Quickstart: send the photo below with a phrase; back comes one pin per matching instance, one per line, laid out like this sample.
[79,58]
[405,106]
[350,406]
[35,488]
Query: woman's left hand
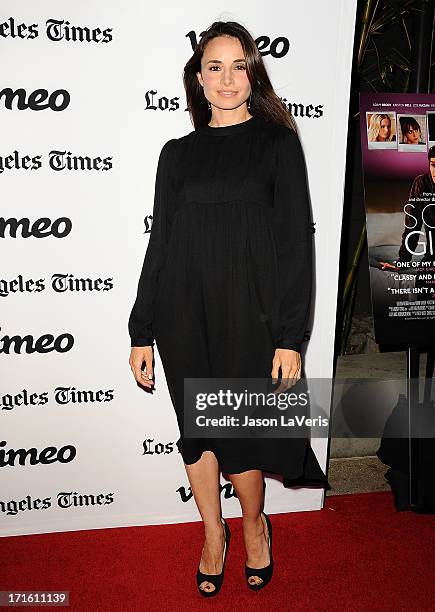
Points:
[290,363]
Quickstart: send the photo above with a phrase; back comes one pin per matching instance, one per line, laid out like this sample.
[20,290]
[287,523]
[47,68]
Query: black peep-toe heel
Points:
[215,579]
[265,573]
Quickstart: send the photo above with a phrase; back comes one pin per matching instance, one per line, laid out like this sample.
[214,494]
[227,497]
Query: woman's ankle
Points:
[213,528]
[252,523]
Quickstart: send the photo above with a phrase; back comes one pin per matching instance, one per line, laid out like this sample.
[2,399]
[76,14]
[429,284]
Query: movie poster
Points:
[398,152]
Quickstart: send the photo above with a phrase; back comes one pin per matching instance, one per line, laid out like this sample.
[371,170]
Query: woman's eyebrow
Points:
[215,61]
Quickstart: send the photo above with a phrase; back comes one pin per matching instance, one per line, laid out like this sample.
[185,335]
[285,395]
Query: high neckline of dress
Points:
[227,130]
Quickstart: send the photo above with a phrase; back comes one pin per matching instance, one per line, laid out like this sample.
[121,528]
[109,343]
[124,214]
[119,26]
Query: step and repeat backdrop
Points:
[89,93]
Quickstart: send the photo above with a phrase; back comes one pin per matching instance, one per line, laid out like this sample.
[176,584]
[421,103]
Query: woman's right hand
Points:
[139,355]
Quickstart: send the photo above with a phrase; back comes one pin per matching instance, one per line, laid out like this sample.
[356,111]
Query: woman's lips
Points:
[227,94]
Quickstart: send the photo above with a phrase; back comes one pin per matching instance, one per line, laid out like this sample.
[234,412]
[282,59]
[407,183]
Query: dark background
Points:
[388,65]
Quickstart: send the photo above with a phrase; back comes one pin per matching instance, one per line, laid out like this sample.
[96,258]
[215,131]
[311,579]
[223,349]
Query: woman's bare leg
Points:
[204,482]
[250,491]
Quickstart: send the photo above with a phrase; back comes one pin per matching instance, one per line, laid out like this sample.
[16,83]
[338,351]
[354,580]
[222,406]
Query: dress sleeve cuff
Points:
[289,344]
[142,341]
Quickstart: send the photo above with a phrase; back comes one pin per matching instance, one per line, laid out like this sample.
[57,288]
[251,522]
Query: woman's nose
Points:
[226,77]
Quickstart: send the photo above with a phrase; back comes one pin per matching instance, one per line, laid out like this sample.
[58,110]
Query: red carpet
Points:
[356,554]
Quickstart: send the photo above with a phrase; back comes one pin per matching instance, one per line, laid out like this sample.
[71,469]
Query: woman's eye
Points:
[238,66]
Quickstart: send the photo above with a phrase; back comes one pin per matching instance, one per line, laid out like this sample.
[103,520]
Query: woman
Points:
[226,281]
[380,128]
[411,131]
[420,212]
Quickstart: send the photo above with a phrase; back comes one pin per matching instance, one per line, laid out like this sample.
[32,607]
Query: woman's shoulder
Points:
[422,182]
[282,134]
[169,145]
[174,146]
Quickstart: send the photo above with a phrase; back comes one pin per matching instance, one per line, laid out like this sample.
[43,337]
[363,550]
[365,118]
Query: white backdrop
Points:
[125,99]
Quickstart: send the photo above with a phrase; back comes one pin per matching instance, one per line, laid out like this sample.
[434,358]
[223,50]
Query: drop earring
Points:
[208,104]
[249,103]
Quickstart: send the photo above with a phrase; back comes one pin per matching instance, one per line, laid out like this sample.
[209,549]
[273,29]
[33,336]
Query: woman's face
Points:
[412,135]
[384,129]
[223,73]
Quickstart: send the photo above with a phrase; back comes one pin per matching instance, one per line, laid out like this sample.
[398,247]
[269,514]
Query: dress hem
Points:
[295,480]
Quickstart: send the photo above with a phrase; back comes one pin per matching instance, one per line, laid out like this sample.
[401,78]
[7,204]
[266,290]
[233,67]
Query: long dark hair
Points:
[264,101]
[408,123]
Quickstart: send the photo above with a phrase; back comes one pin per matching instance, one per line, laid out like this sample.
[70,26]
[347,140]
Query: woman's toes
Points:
[206,586]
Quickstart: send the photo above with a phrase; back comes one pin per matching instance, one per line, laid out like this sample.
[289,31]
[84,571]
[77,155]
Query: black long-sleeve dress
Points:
[227,275]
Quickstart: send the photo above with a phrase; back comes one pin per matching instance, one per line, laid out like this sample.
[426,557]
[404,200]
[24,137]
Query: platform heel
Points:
[265,573]
[215,579]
